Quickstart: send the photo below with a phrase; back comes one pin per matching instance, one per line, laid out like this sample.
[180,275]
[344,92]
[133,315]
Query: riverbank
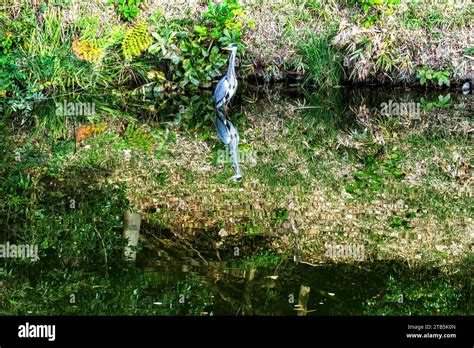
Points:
[394,43]
[387,43]
[176,45]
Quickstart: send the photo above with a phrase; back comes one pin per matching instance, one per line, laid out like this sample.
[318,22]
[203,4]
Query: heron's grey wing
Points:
[222,130]
[221,92]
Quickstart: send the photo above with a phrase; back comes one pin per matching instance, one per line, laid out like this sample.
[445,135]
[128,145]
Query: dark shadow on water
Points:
[254,282]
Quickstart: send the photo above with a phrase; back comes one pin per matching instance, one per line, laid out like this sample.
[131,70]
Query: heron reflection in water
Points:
[225,91]
[230,137]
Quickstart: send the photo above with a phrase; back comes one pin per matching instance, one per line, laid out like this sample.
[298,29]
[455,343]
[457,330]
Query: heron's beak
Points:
[227,48]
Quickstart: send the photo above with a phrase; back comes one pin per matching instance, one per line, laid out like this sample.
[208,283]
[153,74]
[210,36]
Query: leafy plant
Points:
[190,52]
[428,75]
[226,21]
[6,41]
[137,39]
[11,77]
[88,51]
[24,103]
[128,9]
[375,9]
[13,32]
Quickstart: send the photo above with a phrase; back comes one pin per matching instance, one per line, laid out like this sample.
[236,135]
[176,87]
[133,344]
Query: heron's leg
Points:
[235,161]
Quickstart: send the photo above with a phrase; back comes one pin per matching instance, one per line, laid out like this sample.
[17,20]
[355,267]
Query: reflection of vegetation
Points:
[263,260]
[75,222]
[138,138]
[404,221]
[171,297]
[137,39]
[421,295]
[443,102]
[376,174]
[301,174]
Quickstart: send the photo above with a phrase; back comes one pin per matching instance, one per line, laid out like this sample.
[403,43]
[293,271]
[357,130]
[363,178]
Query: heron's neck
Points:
[231,69]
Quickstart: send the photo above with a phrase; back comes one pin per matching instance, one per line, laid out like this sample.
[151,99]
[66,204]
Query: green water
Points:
[81,270]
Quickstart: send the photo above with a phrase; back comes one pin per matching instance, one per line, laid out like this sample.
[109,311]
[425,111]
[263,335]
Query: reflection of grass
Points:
[67,206]
[278,178]
[130,292]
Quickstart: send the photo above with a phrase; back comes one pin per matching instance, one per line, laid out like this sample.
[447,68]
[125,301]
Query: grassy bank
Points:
[56,47]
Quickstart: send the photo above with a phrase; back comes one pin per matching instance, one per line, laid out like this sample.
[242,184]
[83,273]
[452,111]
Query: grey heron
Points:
[230,137]
[227,85]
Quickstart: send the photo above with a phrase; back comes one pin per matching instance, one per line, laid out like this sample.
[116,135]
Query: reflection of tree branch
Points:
[189,245]
[224,295]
